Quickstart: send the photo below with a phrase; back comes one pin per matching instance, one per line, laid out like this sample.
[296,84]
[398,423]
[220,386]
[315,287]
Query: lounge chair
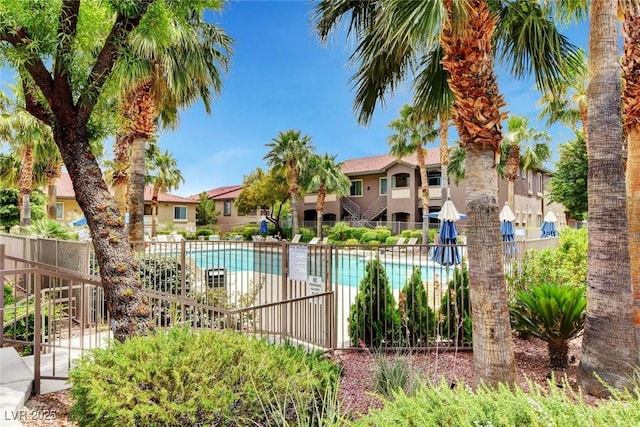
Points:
[162,238]
[257,238]
[296,238]
[400,243]
[214,237]
[324,241]
[412,241]
[314,241]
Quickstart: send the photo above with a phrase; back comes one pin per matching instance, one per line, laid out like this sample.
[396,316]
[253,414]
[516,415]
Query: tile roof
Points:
[228,192]
[376,164]
[64,190]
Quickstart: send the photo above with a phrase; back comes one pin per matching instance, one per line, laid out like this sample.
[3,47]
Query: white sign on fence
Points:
[315,286]
[298,262]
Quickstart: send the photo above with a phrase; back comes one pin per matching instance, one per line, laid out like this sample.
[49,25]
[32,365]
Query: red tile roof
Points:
[377,164]
[64,190]
[228,192]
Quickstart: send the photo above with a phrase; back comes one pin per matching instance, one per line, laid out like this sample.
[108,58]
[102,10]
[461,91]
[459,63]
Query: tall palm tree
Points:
[412,132]
[609,349]
[526,147]
[288,155]
[393,36]
[31,140]
[325,176]
[166,71]
[165,176]
[631,116]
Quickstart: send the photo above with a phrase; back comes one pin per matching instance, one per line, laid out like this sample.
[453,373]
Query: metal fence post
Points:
[183,278]
[2,294]
[37,335]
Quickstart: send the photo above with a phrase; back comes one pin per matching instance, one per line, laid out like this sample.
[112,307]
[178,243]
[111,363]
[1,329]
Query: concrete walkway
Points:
[16,380]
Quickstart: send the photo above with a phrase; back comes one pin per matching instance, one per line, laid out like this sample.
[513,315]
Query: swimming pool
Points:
[347,269]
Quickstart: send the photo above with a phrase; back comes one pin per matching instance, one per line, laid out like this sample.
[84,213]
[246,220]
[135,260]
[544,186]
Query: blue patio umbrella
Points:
[549,225]
[263,226]
[508,230]
[82,221]
[447,252]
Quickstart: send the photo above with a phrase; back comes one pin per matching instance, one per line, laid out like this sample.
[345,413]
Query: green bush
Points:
[432,233]
[395,373]
[552,313]
[566,265]
[455,310]
[204,232]
[50,229]
[8,295]
[307,234]
[340,232]
[408,234]
[369,236]
[382,233]
[373,318]
[196,378]
[391,240]
[462,406]
[358,232]
[417,319]
[351,242]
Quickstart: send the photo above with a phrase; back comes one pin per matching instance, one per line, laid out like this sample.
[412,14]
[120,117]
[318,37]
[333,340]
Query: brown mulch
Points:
[356,384]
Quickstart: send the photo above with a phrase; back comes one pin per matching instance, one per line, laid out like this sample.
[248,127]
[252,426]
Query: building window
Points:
[179,213]
[540,183]
[227,208]
[356,188]
[148,209]
[530,182]
[383,186]
[59,210]
[433,178]
[400,180]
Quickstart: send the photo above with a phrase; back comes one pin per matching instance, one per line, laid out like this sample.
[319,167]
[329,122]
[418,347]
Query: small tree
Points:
[206,213]
[417,320]
[455,310]
[10,211]
[554,314]
[373,318]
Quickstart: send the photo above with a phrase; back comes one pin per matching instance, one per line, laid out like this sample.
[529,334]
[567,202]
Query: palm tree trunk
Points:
[121,162]
[558,353]
[294,209]
[424,195]
[631,112]
[322,193]
[136,191]
[609,349]
[26,185]
[128,308]
[52,212]
[444,159]
[476,112]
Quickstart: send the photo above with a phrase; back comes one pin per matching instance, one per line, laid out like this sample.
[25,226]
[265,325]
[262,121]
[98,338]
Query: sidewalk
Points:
[16,380]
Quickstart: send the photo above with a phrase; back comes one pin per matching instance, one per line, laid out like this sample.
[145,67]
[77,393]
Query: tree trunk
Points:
[25,211]
[558,353]
[121,162]
[154,211]
[444,159]
[128,308]
[26,186]
[608,348]
[631,112]
[424,195]
[492,340]
[294,209]
[136,191]
[52,190]
[322,194]
[476,112]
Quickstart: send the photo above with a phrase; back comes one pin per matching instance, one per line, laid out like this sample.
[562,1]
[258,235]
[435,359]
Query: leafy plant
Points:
[373,318]
[552,313]
[393,374]
[455,309]
[51,229]
[417,319]
[196,378]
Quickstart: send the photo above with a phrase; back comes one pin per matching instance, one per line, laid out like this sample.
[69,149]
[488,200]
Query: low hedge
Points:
[197,378]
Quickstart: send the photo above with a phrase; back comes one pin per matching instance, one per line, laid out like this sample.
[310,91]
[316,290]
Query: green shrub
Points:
[373,242]
[369,236]
[307,234]
[340,232]
[432,233]
[552,313]
[196,378]
[358,232]
[351,242]
[417,319]
[8,295]
[408,234]
[455,310]
[394,373]
[382,233]
[373,318]
[391,240]
[566,265]
[462,406]
[50,229]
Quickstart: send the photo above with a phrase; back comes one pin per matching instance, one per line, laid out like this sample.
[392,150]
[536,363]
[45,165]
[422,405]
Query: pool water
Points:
[347,270]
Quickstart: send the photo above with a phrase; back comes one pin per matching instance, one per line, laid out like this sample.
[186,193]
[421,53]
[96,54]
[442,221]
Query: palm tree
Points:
[532,158]
[392,37]
[412,131]
[167,177]
[609,349]
[631,116]
[166,71]
[288,155]
[31,140]
[325,176]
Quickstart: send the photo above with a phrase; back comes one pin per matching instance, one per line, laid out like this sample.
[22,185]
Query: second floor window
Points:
[59,210]
[148,209]
[227,208]
[383,186]
[433,178]
[356,188]
[400,180]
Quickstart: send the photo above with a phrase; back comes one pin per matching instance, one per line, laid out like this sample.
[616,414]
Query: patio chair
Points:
[257,238]
[296,238]
[400,243]
[325,241]
[162,238]
[412,241]
[214,237]
[314,241]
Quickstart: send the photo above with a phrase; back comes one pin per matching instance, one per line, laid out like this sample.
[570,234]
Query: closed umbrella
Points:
[263,226]
[549,225]
[508,230]
[447,252]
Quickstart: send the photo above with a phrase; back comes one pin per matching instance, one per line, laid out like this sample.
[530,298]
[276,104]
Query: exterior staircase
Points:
[363,219]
